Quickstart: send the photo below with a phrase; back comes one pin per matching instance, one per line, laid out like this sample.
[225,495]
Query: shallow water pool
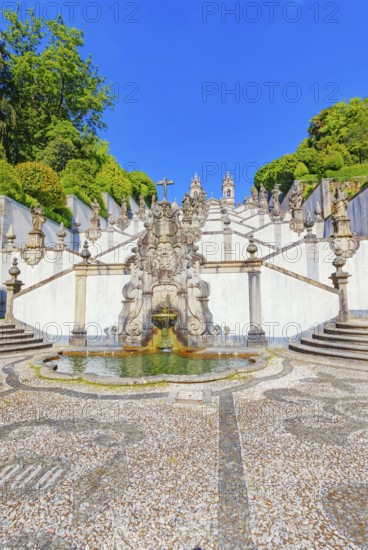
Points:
[136,366]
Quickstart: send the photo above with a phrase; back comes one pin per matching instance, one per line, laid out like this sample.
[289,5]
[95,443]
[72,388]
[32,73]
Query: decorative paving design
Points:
[37,541]
[347,508]
[30,477]
[286,436]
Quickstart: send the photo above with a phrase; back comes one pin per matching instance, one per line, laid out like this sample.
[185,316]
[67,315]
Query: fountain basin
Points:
[122,368]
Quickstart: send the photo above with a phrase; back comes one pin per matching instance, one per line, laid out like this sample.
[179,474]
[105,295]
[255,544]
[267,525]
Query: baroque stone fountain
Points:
[165,291]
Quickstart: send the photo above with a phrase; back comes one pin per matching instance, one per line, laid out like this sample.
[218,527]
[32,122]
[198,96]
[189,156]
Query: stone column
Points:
[340,282]
[311,245]
[78,335]
[13,286]
[256,335]
[227,238]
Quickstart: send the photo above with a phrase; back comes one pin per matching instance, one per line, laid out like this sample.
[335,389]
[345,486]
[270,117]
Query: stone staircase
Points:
[13,339]
[342,340]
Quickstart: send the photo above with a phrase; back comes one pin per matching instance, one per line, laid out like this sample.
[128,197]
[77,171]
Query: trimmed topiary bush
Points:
[10,184]
[41,183]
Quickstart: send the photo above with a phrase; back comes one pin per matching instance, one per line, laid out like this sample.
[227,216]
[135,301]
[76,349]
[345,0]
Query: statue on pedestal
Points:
[38,217]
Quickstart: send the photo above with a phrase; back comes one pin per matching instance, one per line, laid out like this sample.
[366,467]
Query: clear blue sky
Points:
[178,61]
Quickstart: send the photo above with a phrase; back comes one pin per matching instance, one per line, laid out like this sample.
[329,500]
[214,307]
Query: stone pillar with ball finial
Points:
[13,286]
[256,334]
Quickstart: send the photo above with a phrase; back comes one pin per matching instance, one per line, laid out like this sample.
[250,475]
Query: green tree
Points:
[279,171]
[42,184]
[50,81]
[57,154]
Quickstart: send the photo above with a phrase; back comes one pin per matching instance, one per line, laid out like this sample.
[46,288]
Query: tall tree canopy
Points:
[49,80]
[51,107]
[337,139]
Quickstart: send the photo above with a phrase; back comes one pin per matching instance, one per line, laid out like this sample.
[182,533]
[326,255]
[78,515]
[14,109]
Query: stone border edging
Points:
[49,372]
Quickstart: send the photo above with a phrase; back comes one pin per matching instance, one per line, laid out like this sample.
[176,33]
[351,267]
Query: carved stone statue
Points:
[262,198]
[296,196]
[123,221]
[93,233]
[340,218]
[254,198]
[340,201]
[38,217]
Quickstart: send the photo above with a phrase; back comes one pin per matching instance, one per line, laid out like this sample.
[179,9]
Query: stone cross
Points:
[165,182]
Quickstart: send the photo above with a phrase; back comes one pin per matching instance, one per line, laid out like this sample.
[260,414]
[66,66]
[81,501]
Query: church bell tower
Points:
[228,190]
[195,186]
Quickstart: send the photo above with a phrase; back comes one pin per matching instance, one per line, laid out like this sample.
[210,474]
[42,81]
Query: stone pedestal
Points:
[78,335]
[297,221]
[13,286]
[34,251]
[256,335]
[340,281]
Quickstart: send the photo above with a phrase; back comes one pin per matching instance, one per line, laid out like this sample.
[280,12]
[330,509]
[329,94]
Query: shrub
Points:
[41,182]
[78,179]
[333,161]
[300,170]
[10,184]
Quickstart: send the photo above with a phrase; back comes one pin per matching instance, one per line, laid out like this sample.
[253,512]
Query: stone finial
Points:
[111,223]
[252,248]
[14,271]
[10,237]
[85,253]
[318,213]
[61,235]
[340,259]
[76,225]
[226,220]
[309,224]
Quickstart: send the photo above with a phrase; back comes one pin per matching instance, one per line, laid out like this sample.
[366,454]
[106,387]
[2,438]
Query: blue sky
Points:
[175,63]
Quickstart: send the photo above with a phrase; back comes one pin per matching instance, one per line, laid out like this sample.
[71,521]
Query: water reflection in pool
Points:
[136,366]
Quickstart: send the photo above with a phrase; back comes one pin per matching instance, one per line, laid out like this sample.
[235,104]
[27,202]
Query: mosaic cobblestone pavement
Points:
[278,461]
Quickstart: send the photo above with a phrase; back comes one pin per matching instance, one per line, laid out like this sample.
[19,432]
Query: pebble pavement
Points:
[278,460]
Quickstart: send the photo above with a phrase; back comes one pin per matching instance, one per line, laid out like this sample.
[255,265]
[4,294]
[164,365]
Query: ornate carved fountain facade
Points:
[165,277]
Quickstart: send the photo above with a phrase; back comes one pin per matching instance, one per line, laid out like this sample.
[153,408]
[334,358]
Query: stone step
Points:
[10,332]
[24,347]
[21,336]
[353,325]
[345,332]
[332,345]
[20,342]
[328,352]
[341,338]
[6,325]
